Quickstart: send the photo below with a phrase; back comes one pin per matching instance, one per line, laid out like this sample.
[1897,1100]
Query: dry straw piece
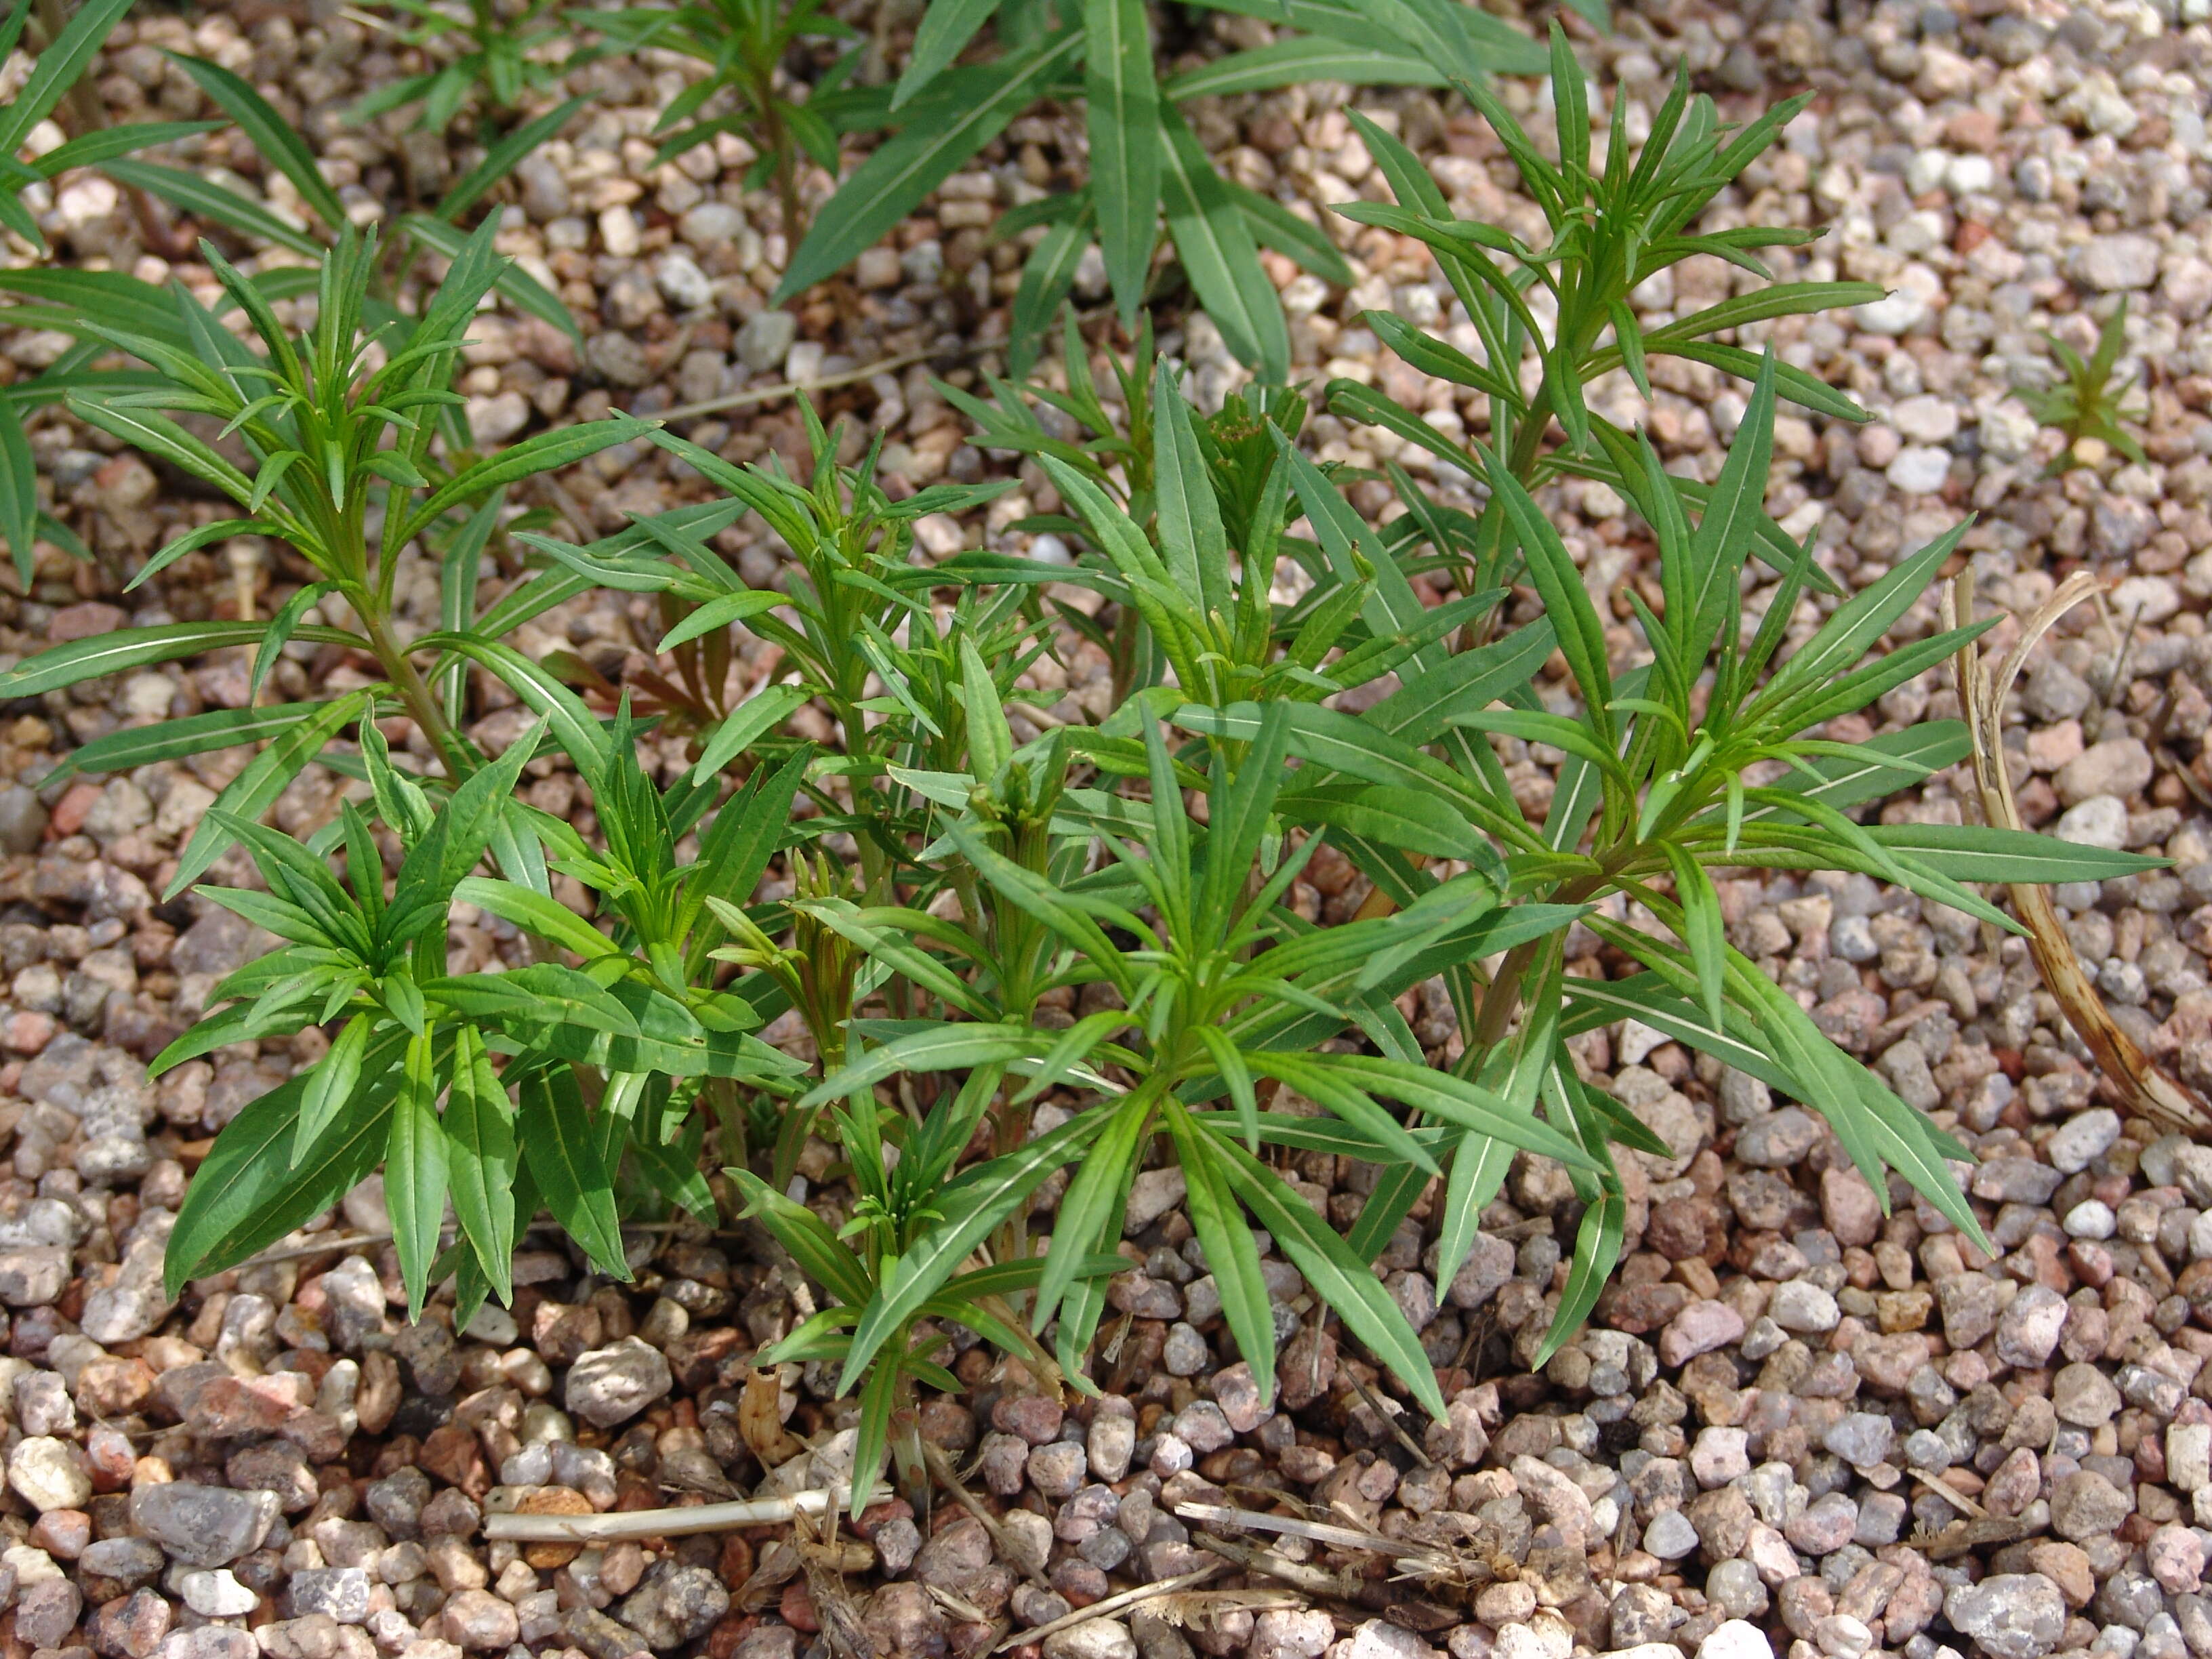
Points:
[2145,1086]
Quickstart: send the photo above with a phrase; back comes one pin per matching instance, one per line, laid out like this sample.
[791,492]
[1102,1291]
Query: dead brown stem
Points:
[2149,1090]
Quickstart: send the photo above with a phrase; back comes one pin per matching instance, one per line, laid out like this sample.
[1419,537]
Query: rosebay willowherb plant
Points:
[489,52]
[1564,309]
[2085,405]
[1146,167]
[1014,943]
[57,74]
[744,43]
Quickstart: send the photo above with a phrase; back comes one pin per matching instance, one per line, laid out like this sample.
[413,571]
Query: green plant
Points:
[1020,944]
[1612,227]
[344,466]
[630,1032]
[2085,408]
[744,42]
[65,53]
[1145,163]
[903,1181]
[387,290]
[502,54]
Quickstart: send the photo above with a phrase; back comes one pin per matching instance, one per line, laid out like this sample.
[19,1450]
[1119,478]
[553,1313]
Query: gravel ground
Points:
[1793,1425]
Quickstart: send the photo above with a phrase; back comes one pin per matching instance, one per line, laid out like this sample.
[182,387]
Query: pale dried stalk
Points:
[1341,1538]
[1112,1605]
[2149,1090]
[669,1522]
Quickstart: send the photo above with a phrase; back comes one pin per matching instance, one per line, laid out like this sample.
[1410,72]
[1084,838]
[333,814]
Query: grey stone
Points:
[341,1593]
[765,338]
[203,1526]
[612,1384]
[2111,264]
[2013,1615]
[675,1604]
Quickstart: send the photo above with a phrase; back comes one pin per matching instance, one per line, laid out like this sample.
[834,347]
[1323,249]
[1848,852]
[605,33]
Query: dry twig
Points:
[1112,1605]
[2147,1088]
[677,1522]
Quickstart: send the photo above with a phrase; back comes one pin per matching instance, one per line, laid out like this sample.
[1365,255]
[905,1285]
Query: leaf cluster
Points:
[2086,404]
[1146,168]
[495,52]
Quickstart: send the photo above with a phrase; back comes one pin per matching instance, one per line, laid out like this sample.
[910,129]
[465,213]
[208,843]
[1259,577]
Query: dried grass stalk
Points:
[2145,1087]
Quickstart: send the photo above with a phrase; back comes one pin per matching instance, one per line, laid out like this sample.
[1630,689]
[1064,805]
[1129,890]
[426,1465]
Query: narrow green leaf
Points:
[414,1171]
[1973,853]
[965,110]
[1219,254]
[1338,1277]
[330,1085]
[1232,1256]
[479,1131]
[255,790]
[943,33]
[1122,110]
[18,495]
[280,143]
[248,1195]
[195,195]
[1299,59]
[971,1205]
[561,1154]
[502,158]
[1191,538]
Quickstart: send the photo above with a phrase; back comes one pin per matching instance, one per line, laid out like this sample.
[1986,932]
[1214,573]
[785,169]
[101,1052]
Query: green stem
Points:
[421,705]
